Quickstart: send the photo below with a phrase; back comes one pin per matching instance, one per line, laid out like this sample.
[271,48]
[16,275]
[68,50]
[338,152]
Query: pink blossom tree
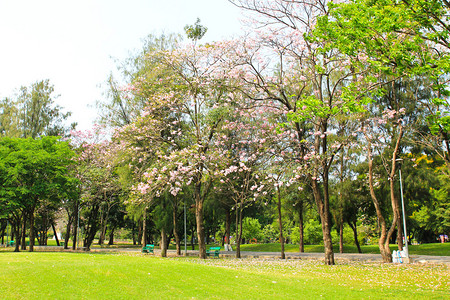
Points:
[96,169]
[250,141]
[184,114]
[310,84]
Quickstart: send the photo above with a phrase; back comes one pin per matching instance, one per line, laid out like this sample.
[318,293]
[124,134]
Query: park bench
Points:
[11,243]
[148,249]
[213,251]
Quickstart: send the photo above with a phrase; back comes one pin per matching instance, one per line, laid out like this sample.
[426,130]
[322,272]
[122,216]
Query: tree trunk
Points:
[355,235]
[280,224]
[101,237]
[200,228]
[193,238]
[324,213]
[91,227]
[144,228]
[227,226]
[396,210]
[67,236]
[163,243]
[341,236]
[111,236]
[23,245]
[238,230]
[17,232]
[384,237]
[32,233]
[139,236]
[55,233]
[3,232]
[75,222]
[133,232]
[175,233]
[301,228]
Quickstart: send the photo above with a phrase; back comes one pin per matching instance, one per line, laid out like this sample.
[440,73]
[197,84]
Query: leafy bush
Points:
[313,232]
[269,234]
[251,229]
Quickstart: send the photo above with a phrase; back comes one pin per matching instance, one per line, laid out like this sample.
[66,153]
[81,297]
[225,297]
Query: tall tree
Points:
[34,113]
[182,118]
[121,107]
[32,171]
[308,82]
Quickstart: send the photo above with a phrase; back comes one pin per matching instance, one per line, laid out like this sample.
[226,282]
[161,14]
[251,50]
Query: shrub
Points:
[313,232]
[269,234]
[251,229]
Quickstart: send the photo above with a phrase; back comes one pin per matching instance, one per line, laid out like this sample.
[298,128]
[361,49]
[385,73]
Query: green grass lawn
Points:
[137,276]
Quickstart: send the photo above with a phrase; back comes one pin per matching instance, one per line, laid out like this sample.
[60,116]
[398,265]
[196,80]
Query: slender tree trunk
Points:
[323,209]
[32,232]
[227,226]
[67,235]
[133,232]
[144,228]
[139,236]
[111,236]
[385,252]
[17,232]
[75,223]
[55,234]
[163,244]
[91,227]
[200,227]
[23,244]
[193,238]
[175,233]
[280,223]
[3,232]
[301,228]
[396,209]
[101,237]
[199,217]
[355,234]
[341,203]
[239,229]
[396,220]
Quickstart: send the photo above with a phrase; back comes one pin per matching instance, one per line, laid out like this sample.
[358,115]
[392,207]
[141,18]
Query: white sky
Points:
[73,43]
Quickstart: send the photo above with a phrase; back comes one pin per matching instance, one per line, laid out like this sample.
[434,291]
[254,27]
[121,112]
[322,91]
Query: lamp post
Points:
[403,208]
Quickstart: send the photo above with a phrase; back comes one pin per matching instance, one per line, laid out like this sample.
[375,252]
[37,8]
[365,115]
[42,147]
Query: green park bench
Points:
[213,251]
[61,244]
[11,243]
[148,249]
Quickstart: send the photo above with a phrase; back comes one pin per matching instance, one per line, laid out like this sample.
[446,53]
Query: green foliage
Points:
[269,233]
[251,229]
[435,216]
[162,213]
[195,32]
[122,107]
[34,170]
[399,39]
[34,113]
[313,232]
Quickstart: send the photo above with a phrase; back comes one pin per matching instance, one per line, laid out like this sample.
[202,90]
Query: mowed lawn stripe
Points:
[134,276]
